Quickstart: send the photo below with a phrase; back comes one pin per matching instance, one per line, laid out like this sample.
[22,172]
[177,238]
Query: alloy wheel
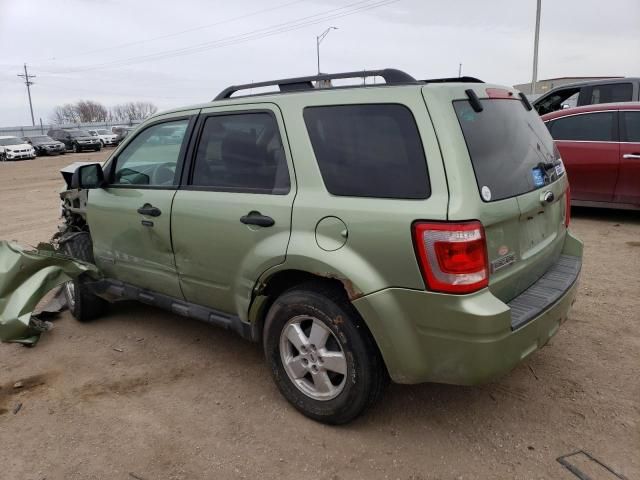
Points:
[313,358]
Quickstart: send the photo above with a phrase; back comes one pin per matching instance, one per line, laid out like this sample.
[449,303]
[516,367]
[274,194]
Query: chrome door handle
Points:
[631,155]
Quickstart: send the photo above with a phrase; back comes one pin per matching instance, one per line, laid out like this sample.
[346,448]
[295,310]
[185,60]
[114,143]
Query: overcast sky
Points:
[108,50]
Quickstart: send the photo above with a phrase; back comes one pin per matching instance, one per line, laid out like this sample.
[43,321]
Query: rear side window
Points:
[631,126]
[613,92]
[241,153]
[510,148]
[594,127]
[368,151]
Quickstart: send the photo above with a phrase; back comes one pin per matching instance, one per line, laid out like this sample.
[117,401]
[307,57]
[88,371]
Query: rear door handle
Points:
[149,210]
[256,218]
[631,155]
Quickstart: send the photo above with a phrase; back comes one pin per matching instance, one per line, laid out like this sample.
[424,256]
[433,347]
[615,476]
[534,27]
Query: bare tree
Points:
[66,113]
[92,111]
[133,111]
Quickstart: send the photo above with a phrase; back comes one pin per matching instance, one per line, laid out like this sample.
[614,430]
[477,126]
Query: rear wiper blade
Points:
[546,165]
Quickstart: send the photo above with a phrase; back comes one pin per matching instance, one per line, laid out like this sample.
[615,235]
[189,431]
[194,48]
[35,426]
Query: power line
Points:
[351,9]
[180,32]
[28,83]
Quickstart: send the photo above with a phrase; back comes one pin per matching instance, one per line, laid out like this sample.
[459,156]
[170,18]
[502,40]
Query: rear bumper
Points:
[461,339]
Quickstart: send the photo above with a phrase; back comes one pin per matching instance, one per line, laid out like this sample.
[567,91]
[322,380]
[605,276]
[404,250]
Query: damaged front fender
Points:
[26,276]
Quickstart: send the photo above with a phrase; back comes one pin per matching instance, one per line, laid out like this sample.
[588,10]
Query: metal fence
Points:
[42,129]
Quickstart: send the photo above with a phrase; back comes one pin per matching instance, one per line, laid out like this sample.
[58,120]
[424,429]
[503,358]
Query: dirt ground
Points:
[145,394]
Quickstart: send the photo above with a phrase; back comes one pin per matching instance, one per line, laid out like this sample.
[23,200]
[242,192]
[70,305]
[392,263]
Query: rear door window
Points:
[510,148]
[594,127]
[612,92]
[241,152]
[631,126]
[370,150]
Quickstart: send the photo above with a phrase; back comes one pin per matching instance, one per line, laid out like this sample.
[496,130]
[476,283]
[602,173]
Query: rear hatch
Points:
[504,170]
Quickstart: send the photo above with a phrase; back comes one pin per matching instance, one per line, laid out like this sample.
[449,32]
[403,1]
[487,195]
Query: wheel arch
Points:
[269,288]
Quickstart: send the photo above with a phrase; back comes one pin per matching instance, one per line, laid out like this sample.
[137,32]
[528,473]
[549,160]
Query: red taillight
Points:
[452,256]
[567,207]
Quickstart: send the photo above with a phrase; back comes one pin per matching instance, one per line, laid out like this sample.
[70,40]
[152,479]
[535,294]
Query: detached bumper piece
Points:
[25,278]
[545,292]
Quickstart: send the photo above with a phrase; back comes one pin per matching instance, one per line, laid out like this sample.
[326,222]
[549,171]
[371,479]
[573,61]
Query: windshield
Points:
[78,133]
[104,132]
[11,141]
[42,139]
[554,101]
[511,150]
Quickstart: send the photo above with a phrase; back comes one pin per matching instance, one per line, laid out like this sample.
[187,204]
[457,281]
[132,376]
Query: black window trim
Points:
[415,122]
[109,168]
[622,128]
[615,133]
[187,177]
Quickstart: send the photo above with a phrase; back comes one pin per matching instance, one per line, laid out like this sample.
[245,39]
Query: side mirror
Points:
[88,176]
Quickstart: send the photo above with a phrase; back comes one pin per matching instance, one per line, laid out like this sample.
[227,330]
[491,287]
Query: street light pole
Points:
[534,79]
[319,39]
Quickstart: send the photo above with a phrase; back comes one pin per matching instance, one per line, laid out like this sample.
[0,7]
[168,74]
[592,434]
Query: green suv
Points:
[415,230]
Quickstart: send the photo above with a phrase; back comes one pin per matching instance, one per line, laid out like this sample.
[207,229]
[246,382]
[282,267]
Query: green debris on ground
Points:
[26,276]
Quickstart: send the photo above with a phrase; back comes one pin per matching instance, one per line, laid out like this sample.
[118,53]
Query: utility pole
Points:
[28,83]
[319,39]
[534,79]
[459,70]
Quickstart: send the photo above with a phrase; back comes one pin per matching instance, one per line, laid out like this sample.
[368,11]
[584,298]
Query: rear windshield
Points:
[511,150]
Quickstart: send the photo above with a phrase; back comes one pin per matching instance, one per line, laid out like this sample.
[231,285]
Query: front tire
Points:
[322,357]
[82,304]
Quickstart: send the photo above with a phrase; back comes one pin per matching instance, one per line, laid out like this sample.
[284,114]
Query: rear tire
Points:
[82,304]
[331,370]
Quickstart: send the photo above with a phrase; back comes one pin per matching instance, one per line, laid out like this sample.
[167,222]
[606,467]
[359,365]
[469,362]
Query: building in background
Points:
[543,86]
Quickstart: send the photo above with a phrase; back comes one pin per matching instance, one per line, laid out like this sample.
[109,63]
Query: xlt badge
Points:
[502,262]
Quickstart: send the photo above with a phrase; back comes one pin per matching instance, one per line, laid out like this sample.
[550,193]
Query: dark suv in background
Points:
[75,139]
[608,90]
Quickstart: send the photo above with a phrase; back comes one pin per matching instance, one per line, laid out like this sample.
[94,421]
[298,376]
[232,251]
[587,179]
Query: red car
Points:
[600,148]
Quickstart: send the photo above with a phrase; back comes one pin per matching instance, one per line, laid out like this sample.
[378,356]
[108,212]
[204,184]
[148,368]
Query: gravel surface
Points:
[144,394]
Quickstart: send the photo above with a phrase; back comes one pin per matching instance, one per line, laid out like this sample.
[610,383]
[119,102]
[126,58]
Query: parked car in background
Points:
[588,93]
[121,132]
[75,139]
[416,229]
[107,138]
[45,145]
[600,147]
[13,148]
